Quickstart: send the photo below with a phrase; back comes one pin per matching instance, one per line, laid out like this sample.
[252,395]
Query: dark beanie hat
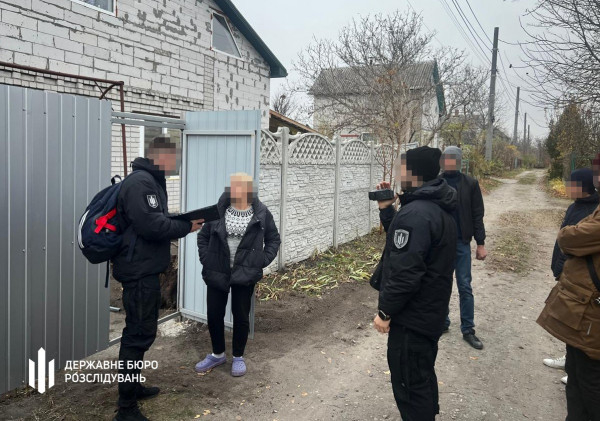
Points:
[424,162]
[585,176]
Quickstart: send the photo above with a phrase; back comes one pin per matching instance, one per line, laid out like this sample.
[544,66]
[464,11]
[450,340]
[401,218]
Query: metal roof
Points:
[227,6]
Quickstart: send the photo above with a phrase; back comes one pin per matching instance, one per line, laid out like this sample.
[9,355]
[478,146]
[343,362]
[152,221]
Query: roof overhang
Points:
[227,7]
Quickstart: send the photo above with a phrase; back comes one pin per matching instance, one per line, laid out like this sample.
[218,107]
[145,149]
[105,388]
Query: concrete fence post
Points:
[285,143]
[336,193]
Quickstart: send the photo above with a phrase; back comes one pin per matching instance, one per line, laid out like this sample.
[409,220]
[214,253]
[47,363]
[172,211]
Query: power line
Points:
[461,31]
[470,26]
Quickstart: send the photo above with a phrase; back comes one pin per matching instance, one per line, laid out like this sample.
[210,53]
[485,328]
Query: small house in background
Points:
[172,56]
[426,93]
[277,120]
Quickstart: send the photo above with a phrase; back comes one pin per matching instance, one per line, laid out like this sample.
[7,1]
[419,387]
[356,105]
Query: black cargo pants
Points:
[141,300]
[411,358]
[583,386]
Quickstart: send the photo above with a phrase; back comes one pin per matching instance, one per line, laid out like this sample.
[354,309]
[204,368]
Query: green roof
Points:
[227,6]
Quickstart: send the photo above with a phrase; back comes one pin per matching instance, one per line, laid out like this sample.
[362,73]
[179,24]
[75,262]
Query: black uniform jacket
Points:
[418,259]
[142,208]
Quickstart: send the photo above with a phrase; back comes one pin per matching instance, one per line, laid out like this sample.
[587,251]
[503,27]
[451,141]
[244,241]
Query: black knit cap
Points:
[424,162]
[585,176]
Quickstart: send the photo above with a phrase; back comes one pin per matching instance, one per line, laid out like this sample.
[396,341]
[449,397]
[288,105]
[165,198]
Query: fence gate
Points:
[55,154]
[215,145]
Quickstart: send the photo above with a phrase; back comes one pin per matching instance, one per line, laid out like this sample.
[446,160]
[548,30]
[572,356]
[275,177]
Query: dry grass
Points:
[511,252]
[488,184]
[528,179]
[352,262]
[556,188]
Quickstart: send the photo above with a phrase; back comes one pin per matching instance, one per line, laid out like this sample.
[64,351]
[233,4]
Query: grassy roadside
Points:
[528,179]
[488,184]
[352,262]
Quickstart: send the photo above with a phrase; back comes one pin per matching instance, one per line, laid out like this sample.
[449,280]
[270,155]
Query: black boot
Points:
[146,392]
[473,340]
[130,414]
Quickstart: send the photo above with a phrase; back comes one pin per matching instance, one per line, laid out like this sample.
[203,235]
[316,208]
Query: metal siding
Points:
[4,237]
[215,158]
[36,218]
[81,198]
[93,180]
[68,240]
[17,311]
[53,222]
[54,154]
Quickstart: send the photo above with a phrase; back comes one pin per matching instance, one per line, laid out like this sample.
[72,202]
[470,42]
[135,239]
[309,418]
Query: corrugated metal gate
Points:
[215,145]
[55,154]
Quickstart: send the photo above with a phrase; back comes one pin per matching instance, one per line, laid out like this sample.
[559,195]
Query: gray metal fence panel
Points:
[54,156]
[216,144]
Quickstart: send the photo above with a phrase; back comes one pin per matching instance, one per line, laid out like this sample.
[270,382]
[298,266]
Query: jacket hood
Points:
[225,201]
[140,163]
[437,191]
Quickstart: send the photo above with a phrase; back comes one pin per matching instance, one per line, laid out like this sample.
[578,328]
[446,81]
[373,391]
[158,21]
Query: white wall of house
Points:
[161,50]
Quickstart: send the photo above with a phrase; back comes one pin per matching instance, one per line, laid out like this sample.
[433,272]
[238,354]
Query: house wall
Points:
[160,49]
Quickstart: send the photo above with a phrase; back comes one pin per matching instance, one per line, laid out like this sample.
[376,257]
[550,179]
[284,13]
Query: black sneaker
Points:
[473,340]
[146,392]
[130,414]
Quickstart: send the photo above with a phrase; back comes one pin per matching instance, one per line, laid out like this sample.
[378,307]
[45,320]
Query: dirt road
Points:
[320,359]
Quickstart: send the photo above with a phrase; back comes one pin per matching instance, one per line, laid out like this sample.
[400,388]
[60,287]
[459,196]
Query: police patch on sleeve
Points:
[401,237]
[152,201]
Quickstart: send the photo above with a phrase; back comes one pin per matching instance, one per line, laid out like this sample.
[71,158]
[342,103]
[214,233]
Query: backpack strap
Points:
[593,274]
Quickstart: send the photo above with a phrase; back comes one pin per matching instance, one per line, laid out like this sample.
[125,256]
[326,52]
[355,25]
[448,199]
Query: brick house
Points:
[173,56]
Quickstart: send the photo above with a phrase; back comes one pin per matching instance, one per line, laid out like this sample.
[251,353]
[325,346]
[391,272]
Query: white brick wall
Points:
[160,49]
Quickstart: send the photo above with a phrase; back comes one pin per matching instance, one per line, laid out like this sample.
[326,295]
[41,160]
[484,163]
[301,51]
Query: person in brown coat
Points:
[572,313]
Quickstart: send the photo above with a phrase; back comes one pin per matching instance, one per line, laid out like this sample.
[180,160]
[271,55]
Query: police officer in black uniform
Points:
[416,280]
[142,206]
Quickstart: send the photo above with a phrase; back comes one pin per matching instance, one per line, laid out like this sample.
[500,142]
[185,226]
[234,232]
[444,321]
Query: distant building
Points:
[426,97]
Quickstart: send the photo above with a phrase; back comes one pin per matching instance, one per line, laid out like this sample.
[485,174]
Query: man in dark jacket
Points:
[416,280]
[469,223]
[142,206]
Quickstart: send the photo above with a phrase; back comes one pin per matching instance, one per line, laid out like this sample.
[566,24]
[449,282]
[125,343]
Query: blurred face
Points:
[164,158]
[404,176]
[574,190]
[450,162]
[596,170]
[241,188]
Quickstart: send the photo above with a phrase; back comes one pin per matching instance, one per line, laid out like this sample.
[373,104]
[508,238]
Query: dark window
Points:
[222,38]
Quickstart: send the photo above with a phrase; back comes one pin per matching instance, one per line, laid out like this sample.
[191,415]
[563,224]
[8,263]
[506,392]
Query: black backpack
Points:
[100,233]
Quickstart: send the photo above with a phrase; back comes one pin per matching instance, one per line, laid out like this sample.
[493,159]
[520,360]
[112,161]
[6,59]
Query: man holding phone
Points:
[416,279]
[142,206]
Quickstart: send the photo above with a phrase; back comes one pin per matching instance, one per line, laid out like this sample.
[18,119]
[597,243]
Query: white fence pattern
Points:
[317,190]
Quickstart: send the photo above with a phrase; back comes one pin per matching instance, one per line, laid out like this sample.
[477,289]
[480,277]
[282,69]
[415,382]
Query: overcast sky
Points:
[288,26]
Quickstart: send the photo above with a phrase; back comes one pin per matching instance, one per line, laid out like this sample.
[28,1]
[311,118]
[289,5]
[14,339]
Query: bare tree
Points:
[359,81]
[285,102]
[564,51]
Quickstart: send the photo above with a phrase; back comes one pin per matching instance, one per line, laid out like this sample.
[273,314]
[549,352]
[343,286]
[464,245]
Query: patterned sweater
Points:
[236,222]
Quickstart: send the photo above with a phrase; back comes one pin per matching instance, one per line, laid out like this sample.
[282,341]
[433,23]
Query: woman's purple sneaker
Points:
[238,368]
[209,363]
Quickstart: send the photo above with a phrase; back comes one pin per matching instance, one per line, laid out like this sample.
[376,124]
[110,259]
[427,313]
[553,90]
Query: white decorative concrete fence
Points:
[317,190]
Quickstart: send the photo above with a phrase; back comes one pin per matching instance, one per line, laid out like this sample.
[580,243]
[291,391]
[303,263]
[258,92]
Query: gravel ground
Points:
[320,359]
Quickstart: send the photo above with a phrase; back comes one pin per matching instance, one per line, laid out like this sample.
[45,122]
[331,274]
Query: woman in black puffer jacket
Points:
[233,251]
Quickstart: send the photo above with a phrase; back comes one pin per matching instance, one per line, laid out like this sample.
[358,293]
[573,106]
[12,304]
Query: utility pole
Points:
[525,130]
[490,128]
[528,138]
[516,116]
